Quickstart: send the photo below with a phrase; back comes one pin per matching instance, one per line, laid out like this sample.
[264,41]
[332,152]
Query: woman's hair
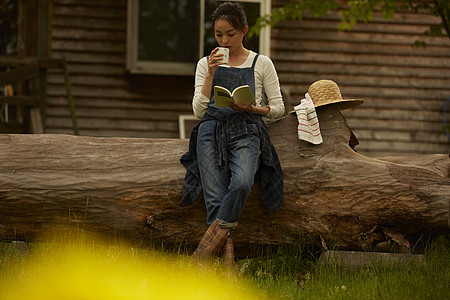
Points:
[233,13]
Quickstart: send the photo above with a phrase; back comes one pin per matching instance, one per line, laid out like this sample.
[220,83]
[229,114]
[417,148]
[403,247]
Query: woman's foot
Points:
[211,243]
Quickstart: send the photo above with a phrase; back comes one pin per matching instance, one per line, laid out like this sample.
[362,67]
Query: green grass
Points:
[290,272]
[298,275]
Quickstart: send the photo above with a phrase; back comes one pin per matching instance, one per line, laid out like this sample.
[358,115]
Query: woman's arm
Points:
[266,80]
[204,75]
[200,100]
[271,86]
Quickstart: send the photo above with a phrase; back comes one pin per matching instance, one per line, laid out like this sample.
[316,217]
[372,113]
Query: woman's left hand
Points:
[241,107]
[252,109]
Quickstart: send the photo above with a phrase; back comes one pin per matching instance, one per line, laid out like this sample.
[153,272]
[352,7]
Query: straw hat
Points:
[326,92]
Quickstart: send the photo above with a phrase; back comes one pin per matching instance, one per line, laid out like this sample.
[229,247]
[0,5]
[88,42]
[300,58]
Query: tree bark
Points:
[131,188]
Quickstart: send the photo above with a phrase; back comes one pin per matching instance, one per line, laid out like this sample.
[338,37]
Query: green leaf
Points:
[419,44]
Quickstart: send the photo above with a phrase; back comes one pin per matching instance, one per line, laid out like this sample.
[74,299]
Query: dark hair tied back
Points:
[232,12]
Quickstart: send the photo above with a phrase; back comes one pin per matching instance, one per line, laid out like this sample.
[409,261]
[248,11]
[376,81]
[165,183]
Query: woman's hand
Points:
[241,107]
[214,61]
[253,109]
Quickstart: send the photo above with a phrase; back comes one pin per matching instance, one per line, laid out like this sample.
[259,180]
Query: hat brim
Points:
[342,104]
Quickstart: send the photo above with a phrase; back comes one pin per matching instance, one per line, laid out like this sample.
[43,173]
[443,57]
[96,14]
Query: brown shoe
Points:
[228,253]
[211,242]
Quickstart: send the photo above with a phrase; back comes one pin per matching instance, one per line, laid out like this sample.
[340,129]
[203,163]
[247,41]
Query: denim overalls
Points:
[232,145]
[228,151]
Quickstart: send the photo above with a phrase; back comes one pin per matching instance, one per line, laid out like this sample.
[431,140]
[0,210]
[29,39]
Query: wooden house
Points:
[405,89]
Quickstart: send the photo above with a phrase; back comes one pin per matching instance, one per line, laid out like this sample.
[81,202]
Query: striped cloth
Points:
[308,123]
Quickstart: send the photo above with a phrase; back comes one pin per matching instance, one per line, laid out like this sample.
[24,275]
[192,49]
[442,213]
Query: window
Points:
[165,36]
[9,27]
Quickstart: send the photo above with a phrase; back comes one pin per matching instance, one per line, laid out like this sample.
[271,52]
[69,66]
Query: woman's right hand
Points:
[214,61]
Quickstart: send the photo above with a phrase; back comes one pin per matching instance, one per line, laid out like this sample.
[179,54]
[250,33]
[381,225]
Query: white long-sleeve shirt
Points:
[266,80]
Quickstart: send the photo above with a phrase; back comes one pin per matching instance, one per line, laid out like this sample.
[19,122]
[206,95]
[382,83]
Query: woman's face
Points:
[227,36]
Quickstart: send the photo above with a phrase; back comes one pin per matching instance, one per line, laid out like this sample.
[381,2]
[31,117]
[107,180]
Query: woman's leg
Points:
[225,198]
[215,179]
[244,157]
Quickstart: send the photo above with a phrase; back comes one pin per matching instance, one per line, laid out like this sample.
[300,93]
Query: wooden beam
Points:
[43,28]
[19,74]
[20,100]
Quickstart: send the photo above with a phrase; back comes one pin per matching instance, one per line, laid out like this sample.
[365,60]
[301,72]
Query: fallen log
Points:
[132,187]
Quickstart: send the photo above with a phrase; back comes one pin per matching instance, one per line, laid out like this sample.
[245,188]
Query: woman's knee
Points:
[242,186]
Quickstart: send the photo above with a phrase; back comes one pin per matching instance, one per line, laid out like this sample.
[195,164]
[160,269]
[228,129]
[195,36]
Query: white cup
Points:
[225,52]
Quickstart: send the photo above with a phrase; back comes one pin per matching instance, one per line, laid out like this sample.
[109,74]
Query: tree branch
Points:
[443,17]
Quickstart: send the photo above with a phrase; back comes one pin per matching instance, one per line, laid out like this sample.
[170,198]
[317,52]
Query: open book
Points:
[242,95]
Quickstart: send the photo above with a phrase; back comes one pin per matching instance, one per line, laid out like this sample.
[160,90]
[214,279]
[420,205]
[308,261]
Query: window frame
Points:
[135,66]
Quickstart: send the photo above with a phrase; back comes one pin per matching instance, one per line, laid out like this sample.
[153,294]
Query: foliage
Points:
[356,11]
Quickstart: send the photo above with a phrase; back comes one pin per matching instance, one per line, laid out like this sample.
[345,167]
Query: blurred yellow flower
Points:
[80,272]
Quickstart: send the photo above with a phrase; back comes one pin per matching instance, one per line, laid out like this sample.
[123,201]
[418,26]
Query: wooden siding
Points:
[404,88]
[91,35]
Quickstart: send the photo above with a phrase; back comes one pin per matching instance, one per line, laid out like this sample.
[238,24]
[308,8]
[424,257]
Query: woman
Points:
[229,145]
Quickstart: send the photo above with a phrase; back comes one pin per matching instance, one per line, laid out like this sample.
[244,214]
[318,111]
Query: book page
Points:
[243,95]
[222,97]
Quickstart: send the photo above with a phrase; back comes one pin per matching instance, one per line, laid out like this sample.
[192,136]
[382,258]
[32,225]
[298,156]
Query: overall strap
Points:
[254,60]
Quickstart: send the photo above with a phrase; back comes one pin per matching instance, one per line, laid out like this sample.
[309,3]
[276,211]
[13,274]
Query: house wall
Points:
[404,88]
[91,36]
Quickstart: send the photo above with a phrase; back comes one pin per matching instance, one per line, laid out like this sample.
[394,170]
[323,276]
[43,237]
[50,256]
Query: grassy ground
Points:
[294,273]
[69,270]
